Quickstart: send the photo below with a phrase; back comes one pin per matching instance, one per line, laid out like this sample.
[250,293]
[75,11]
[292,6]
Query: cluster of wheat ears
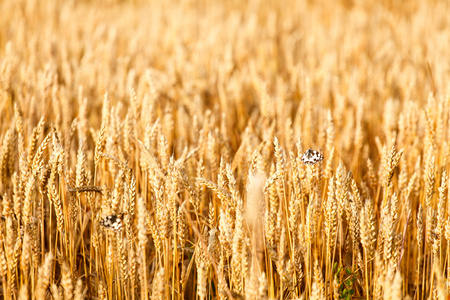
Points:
[158,149]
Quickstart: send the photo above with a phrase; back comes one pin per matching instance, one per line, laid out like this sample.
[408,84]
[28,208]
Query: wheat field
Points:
[158,149]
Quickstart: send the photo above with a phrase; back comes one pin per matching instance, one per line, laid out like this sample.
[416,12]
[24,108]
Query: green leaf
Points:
[335,266]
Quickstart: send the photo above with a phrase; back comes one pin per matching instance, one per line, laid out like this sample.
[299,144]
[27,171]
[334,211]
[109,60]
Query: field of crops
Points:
[159,149]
